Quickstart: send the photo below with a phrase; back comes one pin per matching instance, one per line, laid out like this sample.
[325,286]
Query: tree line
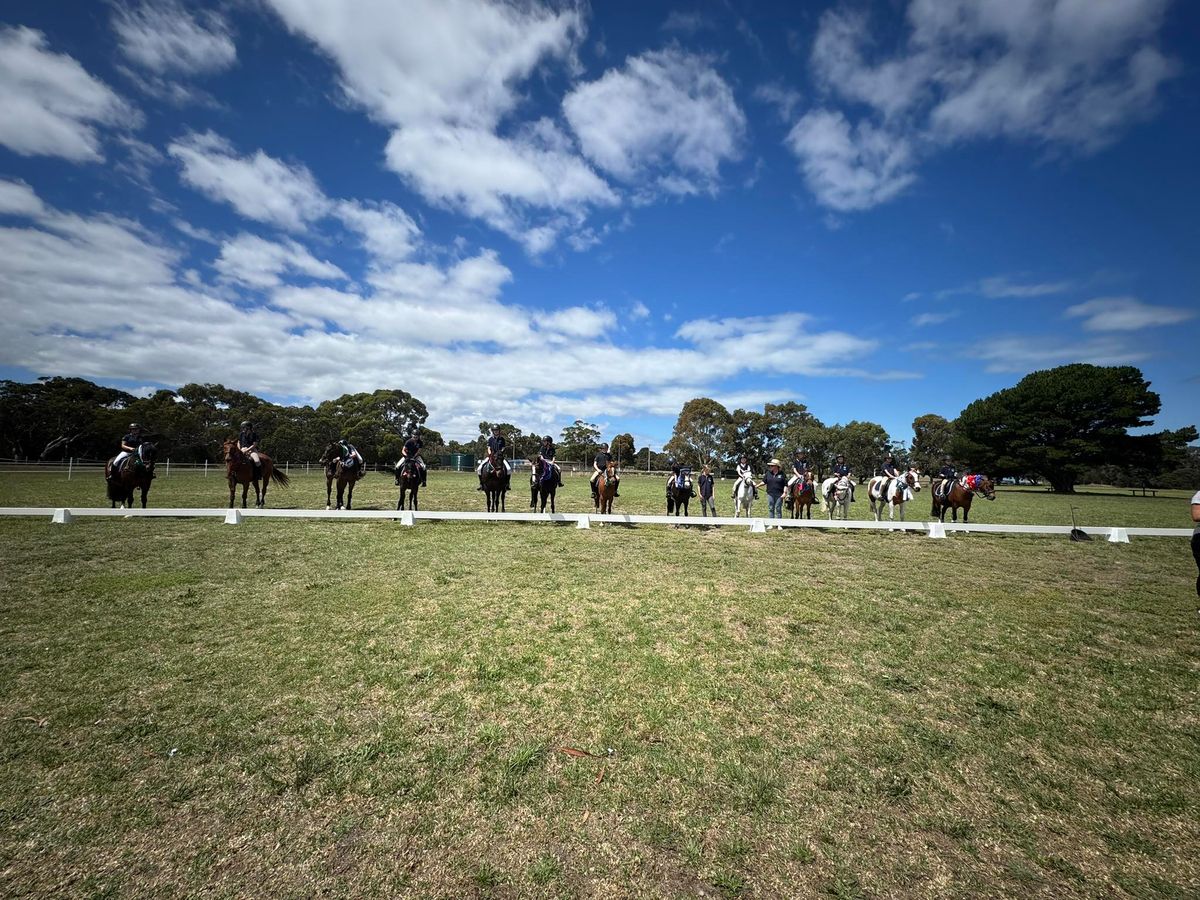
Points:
[1065,425]
[1060,425]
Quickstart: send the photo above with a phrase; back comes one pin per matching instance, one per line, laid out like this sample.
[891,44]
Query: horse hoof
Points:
[327,506]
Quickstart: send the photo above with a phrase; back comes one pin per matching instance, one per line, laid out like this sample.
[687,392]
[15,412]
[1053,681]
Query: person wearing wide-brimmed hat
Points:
[775,483]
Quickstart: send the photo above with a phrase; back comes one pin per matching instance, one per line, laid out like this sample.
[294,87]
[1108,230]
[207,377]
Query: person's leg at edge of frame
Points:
[1196,556]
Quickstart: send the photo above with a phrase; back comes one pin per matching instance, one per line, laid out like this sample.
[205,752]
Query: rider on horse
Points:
[546,454]
[350,457]
[248,443]
[680,475]
[129,446]
[744,471]
[800,469]
[841,470]
[947,476]
[495,456]
[599,464]
[412,452]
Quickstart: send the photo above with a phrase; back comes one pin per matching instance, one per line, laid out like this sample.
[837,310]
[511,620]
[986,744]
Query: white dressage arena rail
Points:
[934,529]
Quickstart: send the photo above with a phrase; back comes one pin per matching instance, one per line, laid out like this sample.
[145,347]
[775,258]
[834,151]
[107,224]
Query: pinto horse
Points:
[408,478]
[543,482]
[804,495]
[959,496]
[135,474]
[893,493]
[239,469]
[678,497]
[346,476]
[606,489]
[835,492]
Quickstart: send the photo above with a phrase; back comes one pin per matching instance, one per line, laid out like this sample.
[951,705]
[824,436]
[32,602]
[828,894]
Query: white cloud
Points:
[850,167]
[259,187]
[1125,314]
[1062,73]
[1001,286]
[387,231]
[666,111]
[639,311]
[926,319]
[100,297]
[782,97]
[1026,353]
[253,261]
[51,106]
[164,37]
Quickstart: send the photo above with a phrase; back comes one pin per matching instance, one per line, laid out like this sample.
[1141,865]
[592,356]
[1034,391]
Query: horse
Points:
[804,494]
[543,483]
[606,489]
[836,490]
[240,470]
[346,476]
[743,496]
[959,496]
[883,490]
[136,473]
[408,479]
[678,497]
[495,485]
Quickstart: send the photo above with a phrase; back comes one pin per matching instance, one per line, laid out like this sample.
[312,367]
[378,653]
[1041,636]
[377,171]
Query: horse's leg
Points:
[350,494]
[412,497]
[232,490]
[245,491]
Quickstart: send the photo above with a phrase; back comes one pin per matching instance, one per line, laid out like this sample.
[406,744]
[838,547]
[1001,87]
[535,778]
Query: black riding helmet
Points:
[134,426]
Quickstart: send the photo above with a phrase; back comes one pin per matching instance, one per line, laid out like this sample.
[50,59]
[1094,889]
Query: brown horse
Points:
[239,469]
[804,496]
[135,474]
[960,495]
[408,478]
[346,476]
[606,489]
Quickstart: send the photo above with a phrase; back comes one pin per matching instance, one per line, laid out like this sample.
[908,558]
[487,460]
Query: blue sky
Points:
[551,211]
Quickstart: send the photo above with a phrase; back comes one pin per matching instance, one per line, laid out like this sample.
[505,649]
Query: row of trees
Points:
[54,418]
[1063,425]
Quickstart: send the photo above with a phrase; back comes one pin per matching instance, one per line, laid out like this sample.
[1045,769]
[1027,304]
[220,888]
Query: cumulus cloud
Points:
[99,296]
[51,105]
[255,262]
[259,186]
[1125,314]
[666,110]
[165,38]
[1061,74]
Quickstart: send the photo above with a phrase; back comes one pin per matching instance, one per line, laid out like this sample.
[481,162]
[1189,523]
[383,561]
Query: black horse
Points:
[543,483]
[678,497]
[495,484]
[136,473]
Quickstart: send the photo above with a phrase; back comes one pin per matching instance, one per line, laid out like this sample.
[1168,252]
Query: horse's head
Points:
[913,479]
[147,453]
[985,486]
[232,451]
[329,455]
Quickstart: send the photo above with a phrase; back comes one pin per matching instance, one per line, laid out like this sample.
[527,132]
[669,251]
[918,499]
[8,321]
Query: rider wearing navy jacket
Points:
[889,467]
[129,446]
[496,445]
[599,464]
[839,469]
[412,450]
[547,451]
[948,475]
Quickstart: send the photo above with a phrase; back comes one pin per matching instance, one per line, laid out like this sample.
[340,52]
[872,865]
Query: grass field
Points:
[360,709]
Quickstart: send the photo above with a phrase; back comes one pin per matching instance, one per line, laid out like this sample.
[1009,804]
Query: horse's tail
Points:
[279,477]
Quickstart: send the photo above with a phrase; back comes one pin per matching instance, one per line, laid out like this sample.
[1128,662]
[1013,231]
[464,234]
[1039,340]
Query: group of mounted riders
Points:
[134,466]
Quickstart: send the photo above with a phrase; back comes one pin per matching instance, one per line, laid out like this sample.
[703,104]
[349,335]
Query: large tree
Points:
[1059,422]
[580,441]
[702,433]
[58,417]
[932,437]
[622,448]
[864,445]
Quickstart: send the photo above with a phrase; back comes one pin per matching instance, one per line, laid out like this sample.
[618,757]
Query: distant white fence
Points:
[64,515]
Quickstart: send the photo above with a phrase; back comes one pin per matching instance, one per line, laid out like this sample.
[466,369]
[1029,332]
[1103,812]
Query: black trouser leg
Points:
[1196,556]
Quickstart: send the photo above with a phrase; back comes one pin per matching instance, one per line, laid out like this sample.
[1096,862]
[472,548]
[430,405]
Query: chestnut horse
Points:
[804,494]
[408,479]
[606,489]
[543,483]
[135,474]
[960,494]
[346,476]
[239,469]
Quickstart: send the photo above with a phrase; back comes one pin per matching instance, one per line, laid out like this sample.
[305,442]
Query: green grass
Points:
[357,708]
[1094,505]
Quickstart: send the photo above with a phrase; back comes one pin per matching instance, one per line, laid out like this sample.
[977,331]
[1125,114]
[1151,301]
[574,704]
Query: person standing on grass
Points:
[1196,536]
[705,485]
[775,483]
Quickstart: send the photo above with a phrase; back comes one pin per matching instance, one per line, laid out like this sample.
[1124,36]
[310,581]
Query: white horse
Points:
[743,496]
[839,490]
[892,493]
